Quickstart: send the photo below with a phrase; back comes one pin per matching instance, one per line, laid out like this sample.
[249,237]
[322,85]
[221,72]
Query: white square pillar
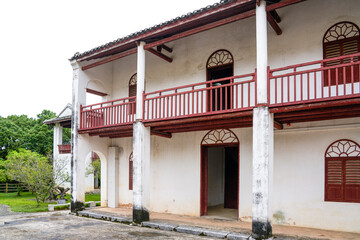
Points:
[113,177]
[262,173]
[77,156]
[141,172]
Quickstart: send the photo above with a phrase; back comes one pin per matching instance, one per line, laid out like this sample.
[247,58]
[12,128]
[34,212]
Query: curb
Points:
[169,227]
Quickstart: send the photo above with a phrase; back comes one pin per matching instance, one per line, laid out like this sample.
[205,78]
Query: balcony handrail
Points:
[114,105]
[295,66]
[109,102]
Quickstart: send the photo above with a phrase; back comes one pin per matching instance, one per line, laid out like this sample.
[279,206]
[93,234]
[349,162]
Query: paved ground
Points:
[62,225]
[5,210]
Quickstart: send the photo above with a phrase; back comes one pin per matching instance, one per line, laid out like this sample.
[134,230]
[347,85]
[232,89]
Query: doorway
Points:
[220,180]
[219,65]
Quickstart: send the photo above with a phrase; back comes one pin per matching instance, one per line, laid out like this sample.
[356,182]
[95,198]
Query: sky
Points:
[38,37]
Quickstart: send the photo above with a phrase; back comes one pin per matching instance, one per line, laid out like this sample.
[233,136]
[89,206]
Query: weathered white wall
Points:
[125,149]
[216,176]
[299,176]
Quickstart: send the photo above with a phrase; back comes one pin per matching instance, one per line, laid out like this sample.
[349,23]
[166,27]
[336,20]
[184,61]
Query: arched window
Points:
[219,136]
[341,39]
[131,171]
[342,171]
[220,65]
[132,92]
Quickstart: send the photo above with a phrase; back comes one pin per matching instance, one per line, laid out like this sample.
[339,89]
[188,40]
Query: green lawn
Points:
[27,203]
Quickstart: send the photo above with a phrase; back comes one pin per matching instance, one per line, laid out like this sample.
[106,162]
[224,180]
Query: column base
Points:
[140,215]
[261,230]
[77,206]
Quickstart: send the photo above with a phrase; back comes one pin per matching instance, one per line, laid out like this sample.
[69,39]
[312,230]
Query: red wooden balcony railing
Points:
[64,148]
[328,79]
[111,113]
[211,97]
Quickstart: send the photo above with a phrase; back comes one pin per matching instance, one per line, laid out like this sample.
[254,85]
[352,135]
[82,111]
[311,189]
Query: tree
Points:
[28,133]
[35,171]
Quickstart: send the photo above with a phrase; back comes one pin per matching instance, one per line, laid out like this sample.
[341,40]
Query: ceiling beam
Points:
[160,55]
[273,24]
[101,94]
[278,125]
[275,16]
[110,59]
[160,133]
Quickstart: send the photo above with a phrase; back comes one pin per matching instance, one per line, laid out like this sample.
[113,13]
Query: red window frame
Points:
[342,172]
[335,44]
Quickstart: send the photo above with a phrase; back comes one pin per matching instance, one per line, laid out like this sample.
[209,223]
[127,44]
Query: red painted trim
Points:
[110,59]
[282,4]
[202,28]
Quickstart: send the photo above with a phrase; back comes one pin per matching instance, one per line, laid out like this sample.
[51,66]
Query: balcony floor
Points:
[328,110]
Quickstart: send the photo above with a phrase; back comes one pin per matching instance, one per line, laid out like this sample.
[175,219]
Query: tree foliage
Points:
[36,171]
[29,133]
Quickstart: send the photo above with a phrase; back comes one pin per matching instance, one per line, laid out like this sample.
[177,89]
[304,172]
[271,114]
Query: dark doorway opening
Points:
[220,97]
[220,181]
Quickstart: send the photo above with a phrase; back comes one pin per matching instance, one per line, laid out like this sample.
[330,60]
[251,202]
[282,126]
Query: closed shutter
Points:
[342,179]
[334,180]
[352,180]
[341,48]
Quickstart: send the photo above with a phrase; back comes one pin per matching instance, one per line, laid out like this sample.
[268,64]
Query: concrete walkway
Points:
[220,225]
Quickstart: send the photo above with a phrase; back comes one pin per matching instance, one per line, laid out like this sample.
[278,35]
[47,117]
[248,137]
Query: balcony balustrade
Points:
[206,98]
[324,80]
[317,81]
[106,114]
[64,148]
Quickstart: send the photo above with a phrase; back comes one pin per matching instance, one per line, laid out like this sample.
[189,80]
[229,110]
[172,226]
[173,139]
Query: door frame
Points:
[204,175]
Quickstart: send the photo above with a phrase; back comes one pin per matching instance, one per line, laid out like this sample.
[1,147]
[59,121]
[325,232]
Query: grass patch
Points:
[92,197]
[24,203]
[27,203]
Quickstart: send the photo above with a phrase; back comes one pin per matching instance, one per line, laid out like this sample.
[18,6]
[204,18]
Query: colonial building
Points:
[246,108]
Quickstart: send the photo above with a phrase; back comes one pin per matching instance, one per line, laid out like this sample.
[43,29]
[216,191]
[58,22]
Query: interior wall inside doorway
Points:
[216,176]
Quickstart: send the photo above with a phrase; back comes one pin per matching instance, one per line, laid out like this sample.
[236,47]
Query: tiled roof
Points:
[135,34]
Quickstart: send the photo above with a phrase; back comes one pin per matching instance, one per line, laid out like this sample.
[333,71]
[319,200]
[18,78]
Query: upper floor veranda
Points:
[203,75]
